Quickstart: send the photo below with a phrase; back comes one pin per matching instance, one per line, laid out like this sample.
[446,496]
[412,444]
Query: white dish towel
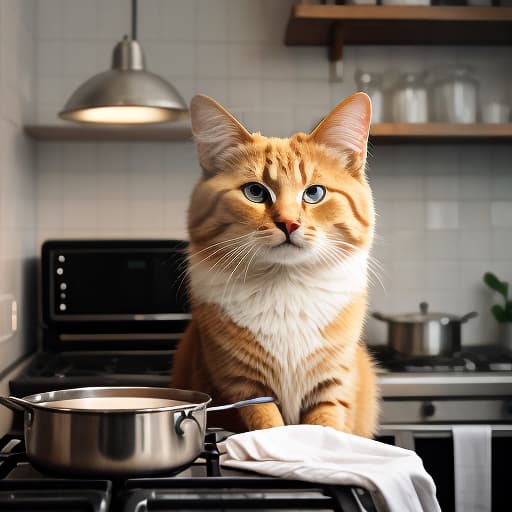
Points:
[395,477]
[472,459]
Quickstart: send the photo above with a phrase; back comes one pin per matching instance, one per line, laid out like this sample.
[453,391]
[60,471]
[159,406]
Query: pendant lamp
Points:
[127,93]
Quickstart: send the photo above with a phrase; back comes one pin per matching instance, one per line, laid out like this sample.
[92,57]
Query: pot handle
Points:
[380,316]
[467,317]
[243,403]
[184,417]
[15,404]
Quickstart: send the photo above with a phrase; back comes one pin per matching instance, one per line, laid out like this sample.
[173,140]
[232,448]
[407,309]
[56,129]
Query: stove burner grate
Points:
[67,364]
[247,493]
[69,495]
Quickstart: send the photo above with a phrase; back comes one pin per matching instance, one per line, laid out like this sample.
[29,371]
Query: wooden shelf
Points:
[380,24]
[391,133]
[381,133]
[176,132]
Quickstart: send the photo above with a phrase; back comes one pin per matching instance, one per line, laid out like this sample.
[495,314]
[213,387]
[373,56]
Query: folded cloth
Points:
[395,477]
[472,460]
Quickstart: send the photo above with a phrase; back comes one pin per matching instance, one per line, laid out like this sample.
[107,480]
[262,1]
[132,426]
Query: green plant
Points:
[502,313]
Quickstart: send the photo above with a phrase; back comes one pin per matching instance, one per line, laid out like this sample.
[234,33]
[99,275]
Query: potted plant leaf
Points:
[502,312]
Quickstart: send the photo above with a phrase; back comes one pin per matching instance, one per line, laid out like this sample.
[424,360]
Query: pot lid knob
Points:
[424,307]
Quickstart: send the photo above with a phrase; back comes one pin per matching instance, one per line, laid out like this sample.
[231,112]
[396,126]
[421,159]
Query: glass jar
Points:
[371,84]
[409,103]
[454,95]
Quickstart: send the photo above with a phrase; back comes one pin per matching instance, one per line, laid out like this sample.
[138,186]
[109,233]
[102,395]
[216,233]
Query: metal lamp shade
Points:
[126,94]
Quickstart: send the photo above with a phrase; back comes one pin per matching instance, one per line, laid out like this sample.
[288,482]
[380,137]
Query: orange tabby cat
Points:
[280,231]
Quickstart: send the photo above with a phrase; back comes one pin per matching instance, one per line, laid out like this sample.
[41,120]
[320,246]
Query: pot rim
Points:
[39,400]
[414,318]
[424,316]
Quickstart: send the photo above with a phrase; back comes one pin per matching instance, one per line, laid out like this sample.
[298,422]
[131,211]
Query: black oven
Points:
[112,312]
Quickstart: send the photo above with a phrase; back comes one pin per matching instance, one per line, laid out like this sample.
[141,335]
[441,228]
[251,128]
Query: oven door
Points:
[106,294]
[446,450]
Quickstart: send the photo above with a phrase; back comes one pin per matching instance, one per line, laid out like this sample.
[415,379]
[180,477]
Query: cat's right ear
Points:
[215,131]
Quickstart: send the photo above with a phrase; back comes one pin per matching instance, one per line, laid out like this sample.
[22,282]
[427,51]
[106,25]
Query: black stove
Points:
[112,312]
[204,485]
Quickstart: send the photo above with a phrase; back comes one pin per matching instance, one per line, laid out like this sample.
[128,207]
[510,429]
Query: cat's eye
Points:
[255,192]
[314,194]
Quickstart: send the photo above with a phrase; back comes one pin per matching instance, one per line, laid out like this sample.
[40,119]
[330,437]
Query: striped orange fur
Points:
[280,234]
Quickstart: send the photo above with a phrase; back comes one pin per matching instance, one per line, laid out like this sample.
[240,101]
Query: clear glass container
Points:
[372,84]
[409,100]
[494,94]
[454,95]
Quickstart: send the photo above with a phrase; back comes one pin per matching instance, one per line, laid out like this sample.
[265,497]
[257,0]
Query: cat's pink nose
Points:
[288,227]
[291,226]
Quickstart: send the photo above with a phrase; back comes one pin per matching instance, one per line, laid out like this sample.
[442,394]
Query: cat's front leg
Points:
[328,414]
[256,417]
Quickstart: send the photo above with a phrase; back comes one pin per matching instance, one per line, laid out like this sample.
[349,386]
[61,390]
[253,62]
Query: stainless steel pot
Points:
[424,333]
[115,430]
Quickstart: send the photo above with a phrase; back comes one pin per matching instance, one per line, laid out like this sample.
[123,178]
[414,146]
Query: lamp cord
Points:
[134,20]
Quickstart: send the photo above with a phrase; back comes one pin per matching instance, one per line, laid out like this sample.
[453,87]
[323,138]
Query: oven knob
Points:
[428,409]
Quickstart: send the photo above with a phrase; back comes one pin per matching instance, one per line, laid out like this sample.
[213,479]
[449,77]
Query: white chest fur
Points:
[285,309]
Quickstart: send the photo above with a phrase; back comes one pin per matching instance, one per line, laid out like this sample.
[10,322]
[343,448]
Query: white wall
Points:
[445,211]
[17,180]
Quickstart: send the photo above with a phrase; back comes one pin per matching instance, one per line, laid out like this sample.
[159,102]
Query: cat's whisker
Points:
[226,244]
[371,271]
[248,252]
[234,245]
[233,255]
[334,256]
[225,258]
[242,252]
[377,276]
[220,243]
[229,243]
[249,262]
[324,258]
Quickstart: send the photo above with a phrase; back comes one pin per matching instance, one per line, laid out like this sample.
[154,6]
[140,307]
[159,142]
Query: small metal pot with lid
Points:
[424,333]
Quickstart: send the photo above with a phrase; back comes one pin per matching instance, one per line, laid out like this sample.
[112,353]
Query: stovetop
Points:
[481,358]
[49,371]
[477,370]
[204,485]
[130,364]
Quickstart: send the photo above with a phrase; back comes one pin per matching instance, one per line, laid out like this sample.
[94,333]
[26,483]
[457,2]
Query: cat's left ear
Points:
[346,129]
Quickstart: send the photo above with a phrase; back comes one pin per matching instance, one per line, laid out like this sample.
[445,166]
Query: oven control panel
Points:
[110,281]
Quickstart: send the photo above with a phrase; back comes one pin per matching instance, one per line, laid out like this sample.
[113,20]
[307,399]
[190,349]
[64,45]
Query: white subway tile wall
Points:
[17,178]
[444,211]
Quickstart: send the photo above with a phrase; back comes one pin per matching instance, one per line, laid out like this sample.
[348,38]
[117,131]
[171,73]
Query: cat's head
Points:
[297,201]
